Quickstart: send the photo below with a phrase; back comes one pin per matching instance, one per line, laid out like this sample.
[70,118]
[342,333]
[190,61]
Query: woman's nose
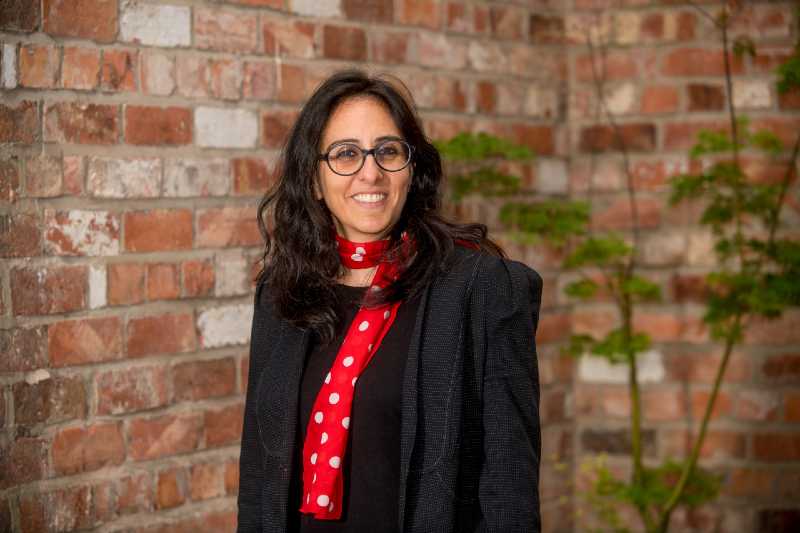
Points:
[370,171]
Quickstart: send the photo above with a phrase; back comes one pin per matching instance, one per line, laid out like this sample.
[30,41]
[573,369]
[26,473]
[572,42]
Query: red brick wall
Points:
[137,137]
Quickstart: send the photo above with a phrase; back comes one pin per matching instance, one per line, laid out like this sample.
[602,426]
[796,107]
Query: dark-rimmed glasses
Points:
[347,158]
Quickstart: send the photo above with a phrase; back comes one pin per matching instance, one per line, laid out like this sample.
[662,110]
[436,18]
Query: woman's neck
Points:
[357,277]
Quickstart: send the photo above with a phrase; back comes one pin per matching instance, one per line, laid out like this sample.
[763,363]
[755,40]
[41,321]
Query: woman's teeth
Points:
[369,198]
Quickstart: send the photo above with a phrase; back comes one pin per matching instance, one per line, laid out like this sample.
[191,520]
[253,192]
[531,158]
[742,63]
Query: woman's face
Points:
[367,204]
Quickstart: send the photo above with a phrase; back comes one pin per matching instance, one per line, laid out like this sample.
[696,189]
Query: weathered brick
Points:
[615,66]
[439,51]
[683,135]
[131,389]
[158,125]
[126,283]
[79,232]
[783,368]
[43,176]
[24,459]
[118,71]
[77,342]
[616,441]
[206,481]
[196,380]
[23,349]
[291,83]
[698,62]
[227,226]
[602,138]
[224,426]
[81,123]
[780,331]
[776,447]
[155,25]
[80,68]
[62,509]
[225,325]
[425,13]
[289,38]
[53,399]
[125,495]
[198,278]
[20,235]
[251,177]
[172,488]
[259,80]
[48,290]
[164,334]
[196,177]
[752,94]
[98,284]
[158,73]
[225,78]
[163,281]
[705,97]
[757,405]
[8,66]
[225,30]
[19,123]
[73,170]
[316,8]
[87,19]
[225,128]
[151,438]
[546,29]
[124,178]
[9,178]
[506,22]
[20,15]
[275,127]
[232,477]
[38,66]
[83,449]
[158,229]
[537,138]
[192,76]
[659,99]
[389,46]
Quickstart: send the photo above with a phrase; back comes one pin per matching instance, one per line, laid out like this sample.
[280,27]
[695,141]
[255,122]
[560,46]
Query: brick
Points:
[757,405]
[232,269]
[224,426]
[698,62]
[8,62]
[20,15]
[704,97]
[232,477]
[603,401]
[389,47]
[78,342]
[225,325]
[87,19]
[63,509]
[616,441]
[198,278]
[602,138]
[80,68]
[288,38]
[73,172]
[783,368]
[546,29]
[723,405]
[43,176]
[126,283]
[225,79]
[749,482]
[752,94]
[171,489]
[24,459]
[23,349]
[225,30]
[124,178]
[689,287]
[155,25]
[596,369]
[147,125]
[48,290]
[776,447]
[259,80]
[192,76]
[81,233]
[663,404]
[615,66]
[164,334]
[157,72]
[506,22]
[118,71]
[9,179]
[19,123]
[38,66]
[225,128]
[275,127]
[780,331]
[131,389]
[20,236]
[789,100]
[97,286]
[83,449]
[134,493]
[683,135]
[791,409]
[163,281]
[206,481]
[316,8]
[659,99]
[348,44]
[227,226]
[291,83]
[158,229]
[81,123]
[251,176]
[420,13]
[458,18]
[152,438]
[53,399]
[196,380]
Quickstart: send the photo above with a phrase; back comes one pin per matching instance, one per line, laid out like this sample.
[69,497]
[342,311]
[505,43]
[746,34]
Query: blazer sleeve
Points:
[251,457]
[508,295]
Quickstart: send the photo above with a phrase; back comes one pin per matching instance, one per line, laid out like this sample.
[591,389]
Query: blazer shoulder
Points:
[490,272]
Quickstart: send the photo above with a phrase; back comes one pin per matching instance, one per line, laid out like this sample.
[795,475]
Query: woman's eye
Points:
[346,153]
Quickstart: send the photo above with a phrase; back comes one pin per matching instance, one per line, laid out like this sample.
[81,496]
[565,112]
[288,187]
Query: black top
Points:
[371,466]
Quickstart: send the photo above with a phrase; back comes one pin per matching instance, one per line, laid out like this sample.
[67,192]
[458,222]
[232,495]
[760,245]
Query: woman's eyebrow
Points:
[355,141]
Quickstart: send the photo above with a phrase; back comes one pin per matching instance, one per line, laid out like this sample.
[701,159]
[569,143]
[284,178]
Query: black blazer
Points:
[470,445]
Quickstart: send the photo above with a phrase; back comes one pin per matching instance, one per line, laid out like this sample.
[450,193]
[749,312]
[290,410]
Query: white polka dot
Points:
[363,326]
[335,462]
[314,480]
[324,438]
[308,498]
[346,422]
[386,315]
[313,458]
[360,250]
[357,257]
[333,398]
[330,507]
[323,500]
[318,417]
[328,378]
[347,361]
[354,381]
[375,288]
[369,348]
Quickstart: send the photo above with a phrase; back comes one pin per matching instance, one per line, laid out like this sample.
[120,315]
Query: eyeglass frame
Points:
[364,153]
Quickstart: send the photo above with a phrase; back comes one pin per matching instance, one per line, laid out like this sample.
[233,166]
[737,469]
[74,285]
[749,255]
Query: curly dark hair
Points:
[300,262]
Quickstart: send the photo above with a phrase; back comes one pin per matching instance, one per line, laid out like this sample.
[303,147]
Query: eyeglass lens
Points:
[348,158]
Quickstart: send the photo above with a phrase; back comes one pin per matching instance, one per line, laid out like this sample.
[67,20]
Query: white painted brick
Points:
[155,25]
[124,178]
[436,50]
[196,177]
[621,99]
[751,94]
[158,73]
[700,249]
[487,56]
[97,286]
[663,248]
[81,232]
[541,102]
[9,66]
[594,369]
[225,128]
[626,27]
[224,326]
[316,8]
[232,271]
[551,176]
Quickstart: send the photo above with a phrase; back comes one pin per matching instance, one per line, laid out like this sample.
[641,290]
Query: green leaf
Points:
[553,220]
[486,181]
[688,186]
[468,146]
[579,344]
[711,142]
[744,45]
[617,349]
[789,74]
[610,250]
[767,141]
[583,289]
[642,288]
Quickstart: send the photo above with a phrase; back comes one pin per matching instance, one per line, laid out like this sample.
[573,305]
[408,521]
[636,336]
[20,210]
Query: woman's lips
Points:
[370,200]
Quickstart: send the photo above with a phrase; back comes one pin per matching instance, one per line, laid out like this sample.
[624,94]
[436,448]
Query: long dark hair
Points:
[300,261]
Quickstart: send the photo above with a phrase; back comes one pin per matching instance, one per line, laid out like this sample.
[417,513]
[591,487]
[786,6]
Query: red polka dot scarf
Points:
[326,437]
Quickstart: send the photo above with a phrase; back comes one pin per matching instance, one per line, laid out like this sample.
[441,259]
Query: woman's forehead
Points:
[359,118]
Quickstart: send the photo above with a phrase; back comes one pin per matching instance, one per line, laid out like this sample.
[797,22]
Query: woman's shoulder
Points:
[488,270]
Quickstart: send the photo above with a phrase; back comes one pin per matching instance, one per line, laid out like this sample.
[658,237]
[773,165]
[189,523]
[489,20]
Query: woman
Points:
[393,383]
